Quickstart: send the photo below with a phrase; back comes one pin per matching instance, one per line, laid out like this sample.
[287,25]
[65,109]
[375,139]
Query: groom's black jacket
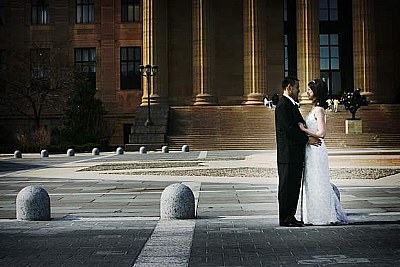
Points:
[290,140]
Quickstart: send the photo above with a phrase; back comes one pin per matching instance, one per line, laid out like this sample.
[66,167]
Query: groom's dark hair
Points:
[288,80]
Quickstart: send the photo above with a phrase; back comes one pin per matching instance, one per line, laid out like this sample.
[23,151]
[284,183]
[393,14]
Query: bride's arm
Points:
[320,117]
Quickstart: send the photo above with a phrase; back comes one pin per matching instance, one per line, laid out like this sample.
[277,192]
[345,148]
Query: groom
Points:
[290,143]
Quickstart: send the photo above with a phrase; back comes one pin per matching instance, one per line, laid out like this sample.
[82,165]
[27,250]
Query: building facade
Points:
[225,52]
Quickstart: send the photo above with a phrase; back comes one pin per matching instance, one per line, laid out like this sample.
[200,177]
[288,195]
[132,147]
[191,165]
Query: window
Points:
[40,70]
[329,61]
[328,10]
[2,71]
[130,10]
[40,61]
[130,62]
[85,61]
[2,12]
[40,12]
[329,51]
[84,11]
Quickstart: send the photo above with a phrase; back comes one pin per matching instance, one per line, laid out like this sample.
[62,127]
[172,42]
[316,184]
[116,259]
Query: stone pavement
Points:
[105,211]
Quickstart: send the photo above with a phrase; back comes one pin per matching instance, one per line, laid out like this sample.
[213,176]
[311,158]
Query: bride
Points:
[321,205]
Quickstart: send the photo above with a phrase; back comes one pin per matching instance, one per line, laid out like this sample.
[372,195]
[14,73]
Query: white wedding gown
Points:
[321,206]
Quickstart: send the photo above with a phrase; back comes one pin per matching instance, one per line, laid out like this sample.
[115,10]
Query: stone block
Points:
[353,126]
[177,202]
[70,152]
[152,136]
[146,138]
[143,150]
[151,129]
[185,148]
[95,151]
[17,154]
[33,204]
[119,151]
[44,153]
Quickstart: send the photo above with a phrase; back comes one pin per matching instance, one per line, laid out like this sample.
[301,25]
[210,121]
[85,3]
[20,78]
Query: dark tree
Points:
[37,81]
[353,101]
[83,120]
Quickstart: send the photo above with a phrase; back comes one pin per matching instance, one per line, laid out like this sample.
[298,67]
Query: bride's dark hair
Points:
[320,90]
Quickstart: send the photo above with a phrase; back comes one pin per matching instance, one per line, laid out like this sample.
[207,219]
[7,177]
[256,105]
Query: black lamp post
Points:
[148,71]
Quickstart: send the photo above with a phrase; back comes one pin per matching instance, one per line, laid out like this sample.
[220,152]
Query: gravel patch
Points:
[362,173]
[141,165]
[342,173]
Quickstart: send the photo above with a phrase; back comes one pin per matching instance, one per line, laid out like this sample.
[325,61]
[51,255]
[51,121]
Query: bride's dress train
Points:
[321,205]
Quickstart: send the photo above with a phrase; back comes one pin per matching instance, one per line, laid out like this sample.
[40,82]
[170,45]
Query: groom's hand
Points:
[314,141]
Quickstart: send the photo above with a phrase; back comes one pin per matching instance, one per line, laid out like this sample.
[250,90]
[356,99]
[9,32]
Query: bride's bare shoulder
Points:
[319,110]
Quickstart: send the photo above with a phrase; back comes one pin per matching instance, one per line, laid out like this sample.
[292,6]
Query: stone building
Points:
[210,53]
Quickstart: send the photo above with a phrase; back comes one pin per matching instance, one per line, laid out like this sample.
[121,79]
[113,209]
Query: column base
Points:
[205,100]
[303,99]
[253,99]
[154,100]
[370,96]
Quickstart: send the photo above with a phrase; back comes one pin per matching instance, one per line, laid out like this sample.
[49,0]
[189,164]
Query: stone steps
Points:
[253,127]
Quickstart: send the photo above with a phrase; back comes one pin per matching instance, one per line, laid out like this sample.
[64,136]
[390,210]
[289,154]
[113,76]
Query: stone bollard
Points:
[119,151]
[33,204]
[44,153]
[95,151]
[17,154]
[185,148]
[177,202]
[70,152]
[142,150]
[165,149]
[336,190]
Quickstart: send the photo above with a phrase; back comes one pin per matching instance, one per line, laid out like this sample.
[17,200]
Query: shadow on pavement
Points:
[17,166]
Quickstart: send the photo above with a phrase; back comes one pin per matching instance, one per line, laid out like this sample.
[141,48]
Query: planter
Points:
[353,126]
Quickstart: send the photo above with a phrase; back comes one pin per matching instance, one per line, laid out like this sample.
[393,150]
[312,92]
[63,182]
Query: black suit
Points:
[290,142]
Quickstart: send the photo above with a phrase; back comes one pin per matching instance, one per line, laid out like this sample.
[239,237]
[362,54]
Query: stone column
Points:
[307,24]
[255,51]
[155,50]
[202,53]
[364,47]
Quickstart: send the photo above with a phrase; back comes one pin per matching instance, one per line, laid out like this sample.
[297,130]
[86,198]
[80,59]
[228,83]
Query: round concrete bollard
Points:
[165,149]
[70,152]
[17,154]
[177,202]
[33,204]
[44,153]
[336,190]
[95,151]
[185,148]
[119,151]
[142,150]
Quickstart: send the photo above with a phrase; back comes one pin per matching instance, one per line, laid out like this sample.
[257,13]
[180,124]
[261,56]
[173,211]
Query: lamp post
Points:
[148,71]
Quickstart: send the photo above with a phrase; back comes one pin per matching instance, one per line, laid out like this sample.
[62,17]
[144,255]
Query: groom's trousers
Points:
[290,175]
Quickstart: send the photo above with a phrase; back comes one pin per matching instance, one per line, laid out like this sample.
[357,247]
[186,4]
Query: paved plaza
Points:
[105,211]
